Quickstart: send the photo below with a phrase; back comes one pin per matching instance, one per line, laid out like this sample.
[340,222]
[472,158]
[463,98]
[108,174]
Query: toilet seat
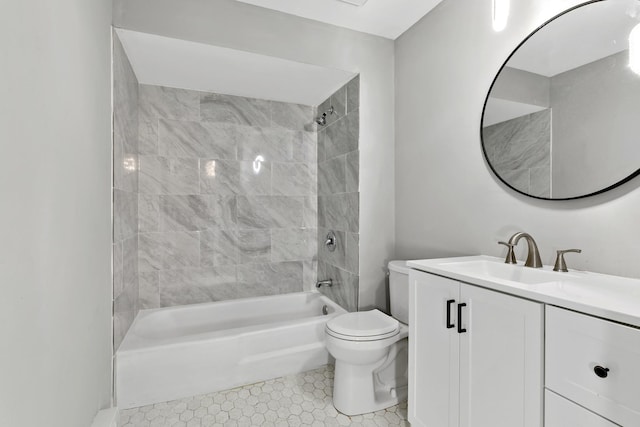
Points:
[369,325]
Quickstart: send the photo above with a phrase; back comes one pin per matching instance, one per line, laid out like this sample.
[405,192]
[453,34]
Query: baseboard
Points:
[106,418]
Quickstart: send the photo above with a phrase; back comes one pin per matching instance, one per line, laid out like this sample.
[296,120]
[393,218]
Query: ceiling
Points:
[164,61]
[577,38]
[385,18]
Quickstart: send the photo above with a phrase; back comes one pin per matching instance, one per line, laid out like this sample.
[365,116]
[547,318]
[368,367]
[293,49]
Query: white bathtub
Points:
[175,352]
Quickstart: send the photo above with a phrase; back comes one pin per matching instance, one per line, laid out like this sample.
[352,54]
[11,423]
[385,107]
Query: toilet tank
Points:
[399,290]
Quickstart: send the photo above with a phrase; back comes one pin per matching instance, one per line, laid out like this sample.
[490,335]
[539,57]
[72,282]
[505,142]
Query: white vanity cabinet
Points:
[594,363]
[475,358]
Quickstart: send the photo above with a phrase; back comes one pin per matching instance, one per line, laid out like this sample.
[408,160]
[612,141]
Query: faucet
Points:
[328,283]
[533,257]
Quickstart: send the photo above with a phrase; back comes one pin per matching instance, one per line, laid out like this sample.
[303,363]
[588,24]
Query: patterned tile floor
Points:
[297,400]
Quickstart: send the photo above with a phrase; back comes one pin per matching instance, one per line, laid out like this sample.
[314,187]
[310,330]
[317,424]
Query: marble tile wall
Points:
[520,152]
[338,195]
[227,204]
[125,193]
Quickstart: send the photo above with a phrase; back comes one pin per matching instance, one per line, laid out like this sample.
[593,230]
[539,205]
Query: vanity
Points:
[500,345]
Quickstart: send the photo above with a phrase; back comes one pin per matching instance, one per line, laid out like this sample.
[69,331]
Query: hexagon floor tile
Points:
[296,400]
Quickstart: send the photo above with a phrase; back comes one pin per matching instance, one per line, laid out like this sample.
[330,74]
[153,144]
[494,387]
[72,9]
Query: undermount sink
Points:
[494,269]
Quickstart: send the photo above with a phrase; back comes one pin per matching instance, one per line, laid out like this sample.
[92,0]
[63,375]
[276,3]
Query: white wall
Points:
[55,310]
[236,25]
[447,201]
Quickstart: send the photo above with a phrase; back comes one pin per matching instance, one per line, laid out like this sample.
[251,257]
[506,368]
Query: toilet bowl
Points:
[371,352]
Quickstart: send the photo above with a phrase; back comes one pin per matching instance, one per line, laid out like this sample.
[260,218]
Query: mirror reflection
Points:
[560,120]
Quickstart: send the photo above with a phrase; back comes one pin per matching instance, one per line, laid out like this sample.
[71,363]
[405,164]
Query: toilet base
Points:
[358,389]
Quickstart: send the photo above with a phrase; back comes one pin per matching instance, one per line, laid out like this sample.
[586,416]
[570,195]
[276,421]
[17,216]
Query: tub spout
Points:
[328,283]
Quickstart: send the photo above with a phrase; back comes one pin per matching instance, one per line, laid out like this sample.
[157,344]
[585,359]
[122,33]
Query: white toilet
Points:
[371,351]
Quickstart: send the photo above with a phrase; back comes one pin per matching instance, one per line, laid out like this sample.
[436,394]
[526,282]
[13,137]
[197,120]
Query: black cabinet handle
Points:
[461,330]
[601,371]
[449,324]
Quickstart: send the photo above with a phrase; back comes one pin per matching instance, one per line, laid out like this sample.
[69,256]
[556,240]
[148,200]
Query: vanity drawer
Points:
[595,363]
[560,412]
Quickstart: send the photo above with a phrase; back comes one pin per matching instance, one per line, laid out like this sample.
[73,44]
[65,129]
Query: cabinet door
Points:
[501,356]
[433,351]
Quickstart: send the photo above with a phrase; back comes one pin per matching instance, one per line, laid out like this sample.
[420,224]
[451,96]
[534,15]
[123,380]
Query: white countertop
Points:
[610,297]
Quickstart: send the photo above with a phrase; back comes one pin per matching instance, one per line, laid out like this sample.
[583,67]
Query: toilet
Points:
[371,351]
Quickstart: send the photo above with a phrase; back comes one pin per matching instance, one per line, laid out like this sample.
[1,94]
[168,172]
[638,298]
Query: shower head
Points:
[322,120]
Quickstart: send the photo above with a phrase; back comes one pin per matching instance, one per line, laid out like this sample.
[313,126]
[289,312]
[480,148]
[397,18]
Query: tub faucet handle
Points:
[511,256]
[560,264]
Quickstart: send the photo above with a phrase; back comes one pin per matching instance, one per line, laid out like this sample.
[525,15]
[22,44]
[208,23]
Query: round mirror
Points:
[560,120]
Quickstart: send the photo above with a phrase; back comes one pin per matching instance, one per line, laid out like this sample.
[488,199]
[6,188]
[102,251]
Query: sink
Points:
[610,297]
[496,270]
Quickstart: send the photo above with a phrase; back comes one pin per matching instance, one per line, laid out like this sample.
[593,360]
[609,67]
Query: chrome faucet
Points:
[533,256]
[327,283]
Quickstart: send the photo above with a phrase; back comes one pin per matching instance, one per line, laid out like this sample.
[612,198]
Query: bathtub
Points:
[175,352]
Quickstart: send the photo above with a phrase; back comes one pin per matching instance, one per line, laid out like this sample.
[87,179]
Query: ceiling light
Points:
[355,2]
[500,14]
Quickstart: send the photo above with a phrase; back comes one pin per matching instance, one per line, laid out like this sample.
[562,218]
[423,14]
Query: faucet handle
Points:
[560,264]
[511,256]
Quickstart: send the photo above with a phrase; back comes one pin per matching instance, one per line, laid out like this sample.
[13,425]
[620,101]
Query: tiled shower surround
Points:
[125,193]
[520,151]
[338,196]
[227,203]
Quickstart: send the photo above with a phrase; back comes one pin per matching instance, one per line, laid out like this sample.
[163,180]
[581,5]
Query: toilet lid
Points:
[363,324]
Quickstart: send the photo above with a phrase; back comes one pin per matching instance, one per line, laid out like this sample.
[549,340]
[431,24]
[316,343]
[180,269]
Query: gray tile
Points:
[193,213]
[149,293]
[270,211]
[353,172]
[342,136]
[235,109]
[309,275]
[147,136]
[130,266]
[339,102]
[339,212]
[125,166]
[540,182]
[305,147]
[518,179]
[125,214]
[254,246]
[353,94]
[177,138]
[169,103]
[322,138]
[292,116]
[168,250]
[121,324]
[127,301]
[293,179]
[293,244]
[148,212]
[267,144]
[269,279]
[520,143]
[228,177]
[337,257]
[198,285]
[162,175]
[352,253]
[331,176]
[118,269]
[345,286]
[125,98]
[218,247]
[310,212]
